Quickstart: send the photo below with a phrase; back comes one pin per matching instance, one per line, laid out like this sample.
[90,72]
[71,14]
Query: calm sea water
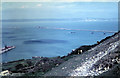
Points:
[30,40]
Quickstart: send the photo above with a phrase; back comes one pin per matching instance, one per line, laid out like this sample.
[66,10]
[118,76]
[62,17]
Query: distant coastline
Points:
[60,19]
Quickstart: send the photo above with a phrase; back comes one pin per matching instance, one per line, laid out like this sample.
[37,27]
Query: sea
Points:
[48,38]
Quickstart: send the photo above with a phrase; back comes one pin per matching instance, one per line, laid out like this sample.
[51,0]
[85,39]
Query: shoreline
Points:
[32,66]
[93,62]
[17,65]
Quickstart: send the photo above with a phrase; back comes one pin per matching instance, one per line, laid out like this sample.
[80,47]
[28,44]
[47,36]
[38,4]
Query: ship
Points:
[6,49]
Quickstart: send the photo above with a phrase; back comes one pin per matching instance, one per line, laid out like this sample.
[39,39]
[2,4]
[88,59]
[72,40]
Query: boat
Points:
[6,49]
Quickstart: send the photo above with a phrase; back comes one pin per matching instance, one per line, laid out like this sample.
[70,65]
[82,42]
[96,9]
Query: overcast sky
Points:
[38,10]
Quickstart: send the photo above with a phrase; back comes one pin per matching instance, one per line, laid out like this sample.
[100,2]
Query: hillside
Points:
[100,60]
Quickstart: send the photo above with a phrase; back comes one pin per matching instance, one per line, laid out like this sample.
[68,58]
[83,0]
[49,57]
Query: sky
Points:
[44,10]
[60,0]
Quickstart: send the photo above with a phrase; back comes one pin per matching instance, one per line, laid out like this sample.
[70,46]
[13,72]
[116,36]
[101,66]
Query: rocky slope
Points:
[101,59]
[98,60]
